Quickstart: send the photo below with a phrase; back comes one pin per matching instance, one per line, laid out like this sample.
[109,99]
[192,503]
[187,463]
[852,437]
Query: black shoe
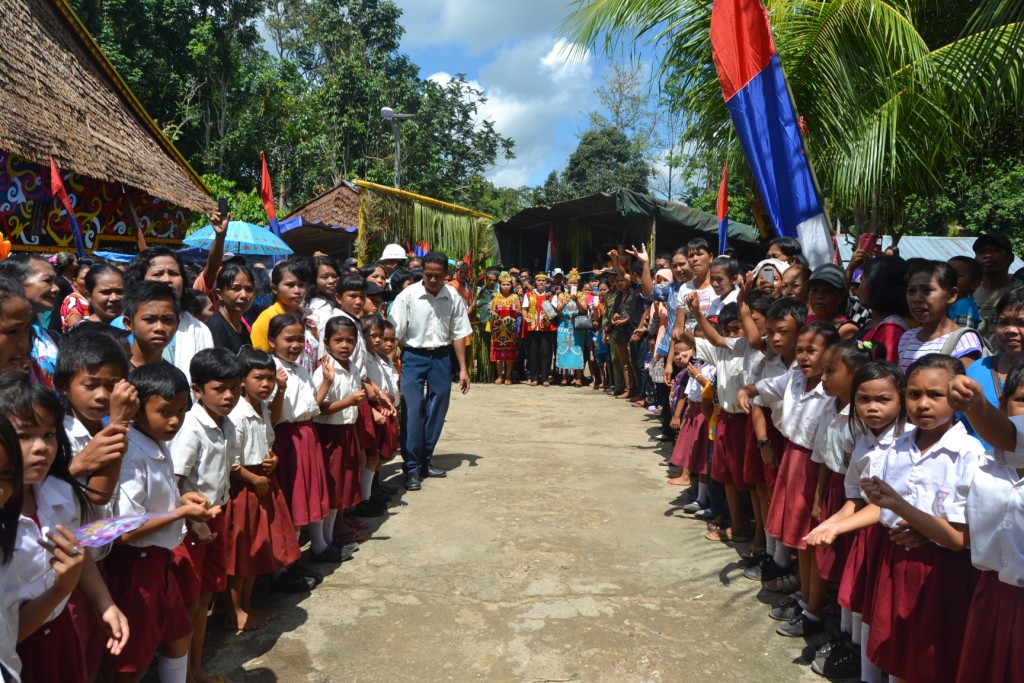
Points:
[333,554]
[435,473]
[301,570]
[384,489]
[292,583]
[369,508]
[346,547]
[412,482]
[842,662]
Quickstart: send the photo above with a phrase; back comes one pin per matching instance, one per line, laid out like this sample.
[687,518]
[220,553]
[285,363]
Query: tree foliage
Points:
[308,90]
[892,92]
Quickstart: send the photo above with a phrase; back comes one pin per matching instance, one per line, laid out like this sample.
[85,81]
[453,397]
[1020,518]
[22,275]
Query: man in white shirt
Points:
[430,318]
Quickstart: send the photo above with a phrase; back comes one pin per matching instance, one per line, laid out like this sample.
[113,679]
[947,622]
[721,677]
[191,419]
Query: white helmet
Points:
[393,252]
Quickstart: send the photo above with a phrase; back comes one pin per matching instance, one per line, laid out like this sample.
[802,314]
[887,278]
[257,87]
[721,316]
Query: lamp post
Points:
[389,115]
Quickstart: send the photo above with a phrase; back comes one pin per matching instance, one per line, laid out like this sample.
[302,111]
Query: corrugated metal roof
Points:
[914,246]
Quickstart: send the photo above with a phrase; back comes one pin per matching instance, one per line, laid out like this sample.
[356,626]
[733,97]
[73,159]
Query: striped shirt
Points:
[911,348]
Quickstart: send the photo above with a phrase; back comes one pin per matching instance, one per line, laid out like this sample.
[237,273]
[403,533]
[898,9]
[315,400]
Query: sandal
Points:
[499,381]
[726,536]
[508,381]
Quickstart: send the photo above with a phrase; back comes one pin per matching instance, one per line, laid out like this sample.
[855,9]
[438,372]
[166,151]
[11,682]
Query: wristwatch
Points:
[761,443]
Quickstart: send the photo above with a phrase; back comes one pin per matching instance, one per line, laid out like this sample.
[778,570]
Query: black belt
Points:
[428,349]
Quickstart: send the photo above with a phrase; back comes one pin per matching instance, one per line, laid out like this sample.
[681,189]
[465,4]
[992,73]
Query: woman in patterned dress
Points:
[505,311]
[569,354]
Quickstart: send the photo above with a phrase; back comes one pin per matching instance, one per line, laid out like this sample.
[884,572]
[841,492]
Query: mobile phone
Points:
[572,290]
[768,273]
[222,206]
[870,242]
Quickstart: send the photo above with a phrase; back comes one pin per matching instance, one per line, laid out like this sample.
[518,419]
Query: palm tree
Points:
[886,114]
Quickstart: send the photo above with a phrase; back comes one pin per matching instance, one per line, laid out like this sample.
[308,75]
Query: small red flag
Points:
[267,191]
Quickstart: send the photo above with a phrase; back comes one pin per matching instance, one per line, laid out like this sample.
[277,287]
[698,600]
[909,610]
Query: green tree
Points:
[604,161]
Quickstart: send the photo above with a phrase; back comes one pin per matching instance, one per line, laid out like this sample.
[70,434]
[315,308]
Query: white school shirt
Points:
[729,369]
[29,573]
[773,366]
[148,485]
[202,452]
[9,623]
[254,434]
[299,393]
[192,337]
[867,446]
[425,321]
[720,302]
[992,496]
[833,443]
[798,409]
[382,372]
[79,437]
[346,383]
[695,387]
[322,311]
[928,480]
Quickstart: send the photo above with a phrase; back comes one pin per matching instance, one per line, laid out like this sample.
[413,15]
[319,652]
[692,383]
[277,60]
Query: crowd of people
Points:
[858,427]
[222,432]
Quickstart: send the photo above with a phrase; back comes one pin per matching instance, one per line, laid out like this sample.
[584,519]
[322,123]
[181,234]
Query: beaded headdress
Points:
[574,274]
[505,277]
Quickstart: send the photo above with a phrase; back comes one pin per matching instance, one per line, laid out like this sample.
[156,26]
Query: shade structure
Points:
[242,238]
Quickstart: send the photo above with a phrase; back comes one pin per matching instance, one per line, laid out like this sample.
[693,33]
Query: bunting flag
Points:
[422,247]
[549,263]
[267,195]
[723,210]
[58,191]
[766,123]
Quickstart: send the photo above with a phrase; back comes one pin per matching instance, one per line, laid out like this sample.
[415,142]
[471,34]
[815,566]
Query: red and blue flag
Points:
[60,193]
[267,195]
[723,210]
[766,123]
[549,261]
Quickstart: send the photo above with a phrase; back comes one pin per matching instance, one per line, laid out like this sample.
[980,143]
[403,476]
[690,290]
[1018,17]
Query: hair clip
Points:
[865,345]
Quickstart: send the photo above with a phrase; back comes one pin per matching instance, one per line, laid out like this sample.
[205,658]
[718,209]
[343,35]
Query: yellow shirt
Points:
[260,326]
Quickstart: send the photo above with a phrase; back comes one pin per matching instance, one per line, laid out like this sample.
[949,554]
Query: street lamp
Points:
[389,115]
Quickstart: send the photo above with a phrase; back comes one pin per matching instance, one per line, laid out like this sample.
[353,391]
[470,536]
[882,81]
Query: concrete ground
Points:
[553,551]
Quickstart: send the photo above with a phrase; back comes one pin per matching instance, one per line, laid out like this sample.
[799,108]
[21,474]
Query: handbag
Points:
[583,323]
[549,311]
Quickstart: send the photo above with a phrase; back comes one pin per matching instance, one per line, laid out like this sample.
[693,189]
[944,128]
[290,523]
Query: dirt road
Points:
[551,552]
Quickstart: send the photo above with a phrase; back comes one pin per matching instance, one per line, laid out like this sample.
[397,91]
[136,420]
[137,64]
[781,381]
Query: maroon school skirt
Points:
[260,534]
[202,567]
[366,429]
[92,632]
[387,437]
[691,449]
[730,449]
[918,611]
[755,471]
[53,653]
[341,461]
[143,586]
[831,559]
[993,649]
[789,514]
[861,568]
[301,471]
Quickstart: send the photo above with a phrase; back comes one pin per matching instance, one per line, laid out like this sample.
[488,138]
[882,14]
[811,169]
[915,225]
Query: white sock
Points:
[702,493]
[782,555]
[803,605]
[769,545]
[367,483]
[811,617]
[172,670]
[855,628]
[316,536]
[845,620]
[329,521]
[869,673]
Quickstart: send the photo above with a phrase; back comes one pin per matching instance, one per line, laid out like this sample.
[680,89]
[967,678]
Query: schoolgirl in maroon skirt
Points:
[300,471]
[922,591]
[261,534]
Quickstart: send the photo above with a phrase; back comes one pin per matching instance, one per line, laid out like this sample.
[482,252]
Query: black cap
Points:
[373,289]
[994,239]
[350,262]
[830,274]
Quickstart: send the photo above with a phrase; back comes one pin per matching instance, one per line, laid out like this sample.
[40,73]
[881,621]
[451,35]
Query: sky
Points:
[538,88]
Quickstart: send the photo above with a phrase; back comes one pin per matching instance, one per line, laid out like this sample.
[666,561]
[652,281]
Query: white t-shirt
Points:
[833,442]
[299,393]
[707,296]
[867,446]
[148,484]
[254,434]
[728,368]
[800,409]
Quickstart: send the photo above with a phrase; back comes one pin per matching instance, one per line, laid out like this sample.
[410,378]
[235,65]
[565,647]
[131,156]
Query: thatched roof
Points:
[326,223]
[62,97]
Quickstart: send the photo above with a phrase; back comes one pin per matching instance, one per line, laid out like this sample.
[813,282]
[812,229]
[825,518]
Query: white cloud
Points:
[535,92]
[477,25]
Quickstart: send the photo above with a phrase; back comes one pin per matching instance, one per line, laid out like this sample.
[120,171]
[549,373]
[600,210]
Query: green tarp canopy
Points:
[586,227]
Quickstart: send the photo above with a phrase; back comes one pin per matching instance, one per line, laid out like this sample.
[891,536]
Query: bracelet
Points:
[761,443]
